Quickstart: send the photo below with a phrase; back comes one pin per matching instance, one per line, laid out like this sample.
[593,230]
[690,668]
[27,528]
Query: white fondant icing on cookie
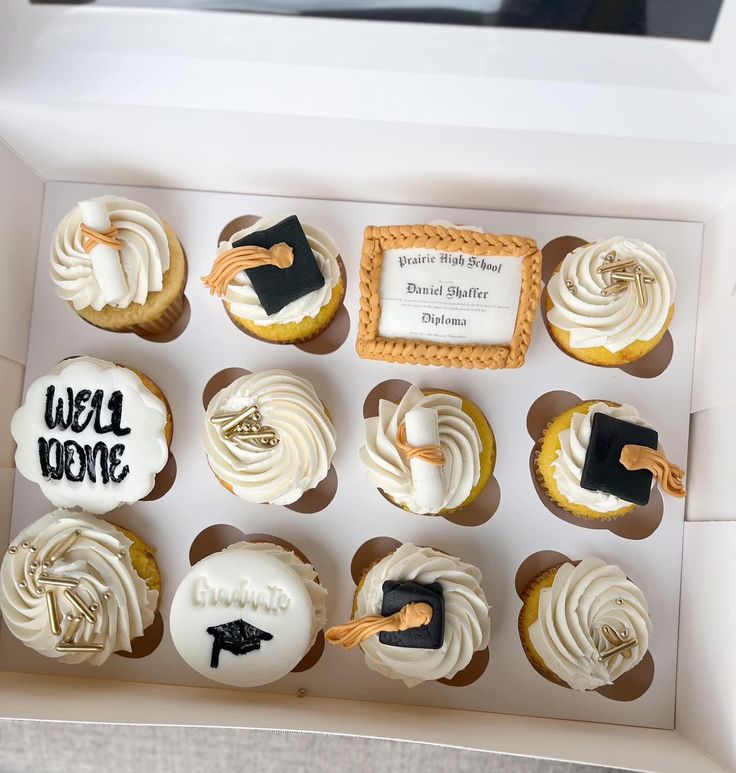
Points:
[266,587]
[97,559]
[91,435]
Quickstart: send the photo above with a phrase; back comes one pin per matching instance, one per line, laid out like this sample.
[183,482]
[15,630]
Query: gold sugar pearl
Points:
[94,607]
[121,554]
[45,564]
[25,544]
[12,550]
[33,548]
[106,595]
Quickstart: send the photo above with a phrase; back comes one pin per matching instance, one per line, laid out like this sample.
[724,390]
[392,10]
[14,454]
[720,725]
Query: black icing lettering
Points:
[80,404]
[54,414]
[92,455]
[49,469]
[74,454]
[116,451]
[115,405]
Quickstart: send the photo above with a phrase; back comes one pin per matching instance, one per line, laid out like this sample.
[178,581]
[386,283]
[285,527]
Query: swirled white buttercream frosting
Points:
[568,465]
[388,468]
[144,255]
[91,434]
[614,321]
[306,572]
[569,632]
[467,621]
[279,474]
[92,557]
[243,300]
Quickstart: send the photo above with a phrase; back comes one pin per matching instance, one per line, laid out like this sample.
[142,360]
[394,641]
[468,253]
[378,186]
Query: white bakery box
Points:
[526,122]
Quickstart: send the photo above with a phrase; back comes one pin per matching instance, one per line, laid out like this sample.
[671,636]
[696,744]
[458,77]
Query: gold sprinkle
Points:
[622,276]
[619,601]
[59,550]
[12,549]
[106,595]
[71,631]
[301,692]
[571,287]
[53,609]
[45,564]
[620,266]
[614,288]
[622,649]
[641,292]
[81,647]
[59,582]
[650,280]
[21,584]
[33,548]
[121,555]
[25,544]
[80,605]
[94,607]
[35,564]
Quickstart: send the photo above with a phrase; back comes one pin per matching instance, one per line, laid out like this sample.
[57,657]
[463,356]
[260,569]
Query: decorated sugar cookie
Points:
[600,460]
[119,265]
[77,589]
[418,615]
[432,453]
[268,437]
[279,280]
[246,616]
[584,626]
[92,434]
[610,302]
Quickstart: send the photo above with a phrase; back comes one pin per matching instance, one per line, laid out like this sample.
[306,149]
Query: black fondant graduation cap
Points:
[237,637]
[603,471]
[277,287]
[397,594]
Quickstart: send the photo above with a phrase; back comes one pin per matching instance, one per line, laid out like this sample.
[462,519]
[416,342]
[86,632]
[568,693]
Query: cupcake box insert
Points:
[521,526]
[509,691]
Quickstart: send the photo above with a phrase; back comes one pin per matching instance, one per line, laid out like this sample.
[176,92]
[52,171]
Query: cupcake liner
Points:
[163,322]
[556,502]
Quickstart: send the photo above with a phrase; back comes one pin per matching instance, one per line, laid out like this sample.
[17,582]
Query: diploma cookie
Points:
[92,434]
[246,616]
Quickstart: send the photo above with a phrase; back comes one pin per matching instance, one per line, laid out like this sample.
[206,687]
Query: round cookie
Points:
[599,312]
[246,616]
[77,589]
[130,276]
[92,434]
[584,625]
[449,424]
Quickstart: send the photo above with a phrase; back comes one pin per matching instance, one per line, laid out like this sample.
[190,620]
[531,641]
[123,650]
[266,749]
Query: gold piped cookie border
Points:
[377,239]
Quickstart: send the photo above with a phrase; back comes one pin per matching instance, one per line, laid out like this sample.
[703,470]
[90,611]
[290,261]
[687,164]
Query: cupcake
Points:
[246,616]
[418,615]
[279,281]
[600,460]
[119,266]
[610,302]
[433,453]
[92,434]
[268,437]
[77,588]
[584,626]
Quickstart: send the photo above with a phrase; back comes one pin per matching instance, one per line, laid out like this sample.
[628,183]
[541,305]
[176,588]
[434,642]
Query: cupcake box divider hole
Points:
[183,367]
[672,173]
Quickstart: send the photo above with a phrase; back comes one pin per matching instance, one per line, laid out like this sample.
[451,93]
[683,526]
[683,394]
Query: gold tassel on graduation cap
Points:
[668,475]
[230,263]
[351,634]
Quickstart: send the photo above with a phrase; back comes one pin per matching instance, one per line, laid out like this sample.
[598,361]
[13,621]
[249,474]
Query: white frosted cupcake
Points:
[432,453]
[600,312]
[268,437]
[246,616]
[418,615]
[584,626]
[119,265]
[77,589]
[283,247]
[92,434]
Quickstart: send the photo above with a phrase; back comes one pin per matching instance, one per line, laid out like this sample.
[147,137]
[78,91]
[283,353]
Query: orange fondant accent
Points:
[92,238]
[430,454]
[668,475]
[229,263]
[356,631]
